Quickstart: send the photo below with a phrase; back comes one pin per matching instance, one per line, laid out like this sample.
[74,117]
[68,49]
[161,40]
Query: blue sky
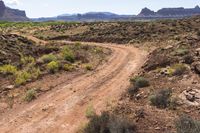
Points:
[47,8]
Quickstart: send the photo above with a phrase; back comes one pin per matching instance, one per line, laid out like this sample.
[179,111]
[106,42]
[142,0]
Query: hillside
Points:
[8,14]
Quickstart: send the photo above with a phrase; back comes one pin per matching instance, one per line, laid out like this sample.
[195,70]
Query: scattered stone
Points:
[9,87]
[157,128]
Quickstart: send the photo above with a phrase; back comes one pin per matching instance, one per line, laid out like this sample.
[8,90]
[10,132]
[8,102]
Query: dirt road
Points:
[63,109]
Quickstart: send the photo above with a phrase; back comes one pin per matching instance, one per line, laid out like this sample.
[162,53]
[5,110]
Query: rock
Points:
[157,128]
[190,97]
[9,87]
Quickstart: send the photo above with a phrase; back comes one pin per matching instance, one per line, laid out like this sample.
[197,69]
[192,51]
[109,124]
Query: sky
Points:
[49,8]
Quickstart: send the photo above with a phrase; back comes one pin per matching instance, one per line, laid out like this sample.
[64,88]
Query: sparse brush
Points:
[68,55]
[90,112]
[27,60]
[22,77]
[139,82]
[8,69]
[108,123]
[161,99]
[68,67]
[185,124]
[53,66]
[30,95]
[89,67]
[48,58]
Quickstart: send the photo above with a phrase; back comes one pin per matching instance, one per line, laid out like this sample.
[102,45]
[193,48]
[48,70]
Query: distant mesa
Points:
[171,12]
[8,14]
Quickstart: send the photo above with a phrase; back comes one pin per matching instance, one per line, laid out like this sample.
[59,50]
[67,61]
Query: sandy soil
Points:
[63,109]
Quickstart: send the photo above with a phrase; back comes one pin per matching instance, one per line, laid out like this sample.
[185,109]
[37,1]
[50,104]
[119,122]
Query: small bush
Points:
[161,99]
[30,95]
[106,123]
[132,90]
[48,58]
[140,82]
[181,51]
[22,77]
[185,124]
[27,60]
[8,69]
[179,69]
[35,73]
[68,55]
[53,66]
[90,112]
[68,67]
[88,67]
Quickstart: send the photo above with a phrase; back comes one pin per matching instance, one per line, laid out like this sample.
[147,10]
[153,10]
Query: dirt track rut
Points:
[63,109]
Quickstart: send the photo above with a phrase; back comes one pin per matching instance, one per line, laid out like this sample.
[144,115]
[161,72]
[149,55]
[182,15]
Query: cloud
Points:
[12,2]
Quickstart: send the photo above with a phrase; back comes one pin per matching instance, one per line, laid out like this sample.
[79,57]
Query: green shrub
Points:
[132,90]
[179,69]
[185,124]
[161,99]
[8,69]
[48,58]
[140,82]
[106,123]
[88,67]
[53,66]
[68,55]
[68,67]
[30,95]
[35,73]
[27,60]
[22,77]
[90,112]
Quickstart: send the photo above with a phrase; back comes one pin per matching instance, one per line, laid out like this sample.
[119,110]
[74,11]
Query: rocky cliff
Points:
[9,14]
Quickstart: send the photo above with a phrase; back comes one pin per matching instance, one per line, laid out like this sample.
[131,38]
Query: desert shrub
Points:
[48,58]
[185,124]
[106,123]
[53,66]
[132,90]
[8,69]
[68,55]
[181,51]
[90,112]
[139,82]
[88,67]
[179,69]
[68,67]
[188,59]
[30,95]
[161,99]
[27,60]
[35,73]
[22,77]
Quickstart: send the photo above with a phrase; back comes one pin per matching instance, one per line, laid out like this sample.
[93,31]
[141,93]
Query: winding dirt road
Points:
[62,110]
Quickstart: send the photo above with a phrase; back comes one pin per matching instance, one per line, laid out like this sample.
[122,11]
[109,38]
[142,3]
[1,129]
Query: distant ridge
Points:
[8,14]
[145,13]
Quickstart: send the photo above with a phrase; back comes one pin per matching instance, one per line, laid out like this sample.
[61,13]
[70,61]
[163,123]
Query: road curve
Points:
[62,110]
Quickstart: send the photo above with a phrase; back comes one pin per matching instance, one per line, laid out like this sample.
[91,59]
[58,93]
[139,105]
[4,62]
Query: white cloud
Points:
[12,2]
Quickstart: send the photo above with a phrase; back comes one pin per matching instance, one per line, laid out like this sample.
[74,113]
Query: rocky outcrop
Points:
[146,12]
[9,14]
